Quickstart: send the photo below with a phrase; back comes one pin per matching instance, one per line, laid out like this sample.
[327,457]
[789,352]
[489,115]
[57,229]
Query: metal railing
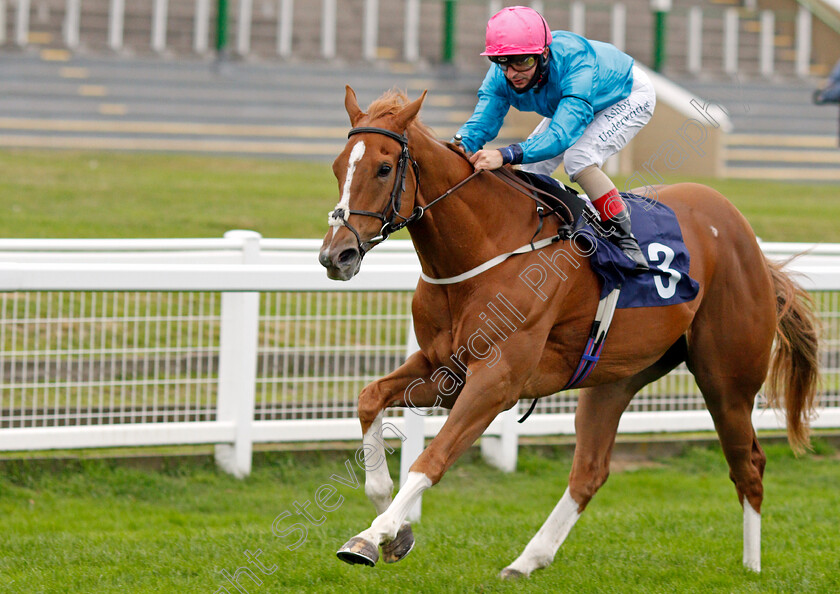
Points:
[392,30]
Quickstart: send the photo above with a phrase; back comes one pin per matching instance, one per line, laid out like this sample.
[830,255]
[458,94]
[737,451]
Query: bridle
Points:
[392,220]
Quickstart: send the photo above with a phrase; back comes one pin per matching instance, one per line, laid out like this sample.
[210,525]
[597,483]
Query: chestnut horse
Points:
[392,168]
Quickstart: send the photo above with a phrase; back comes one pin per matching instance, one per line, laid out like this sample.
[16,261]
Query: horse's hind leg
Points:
[730,374]
[596,422]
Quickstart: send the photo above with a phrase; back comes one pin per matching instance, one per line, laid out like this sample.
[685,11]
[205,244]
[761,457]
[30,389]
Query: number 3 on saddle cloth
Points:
[658,232]
[660,238]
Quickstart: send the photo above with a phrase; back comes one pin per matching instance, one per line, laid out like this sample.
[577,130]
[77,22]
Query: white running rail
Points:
[243,340]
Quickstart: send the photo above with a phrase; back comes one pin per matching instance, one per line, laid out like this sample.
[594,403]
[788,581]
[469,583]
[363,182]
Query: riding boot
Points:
[622,236]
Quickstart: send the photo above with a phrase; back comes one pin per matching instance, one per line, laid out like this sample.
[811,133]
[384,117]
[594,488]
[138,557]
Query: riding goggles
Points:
[518,63]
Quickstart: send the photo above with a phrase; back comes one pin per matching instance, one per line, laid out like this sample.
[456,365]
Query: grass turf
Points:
[674,525]
[78,194]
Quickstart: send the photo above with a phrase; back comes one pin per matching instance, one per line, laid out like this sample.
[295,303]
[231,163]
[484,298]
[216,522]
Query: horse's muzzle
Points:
[341,265]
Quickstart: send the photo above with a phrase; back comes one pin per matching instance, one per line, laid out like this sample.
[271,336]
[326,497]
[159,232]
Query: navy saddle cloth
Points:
[658,232]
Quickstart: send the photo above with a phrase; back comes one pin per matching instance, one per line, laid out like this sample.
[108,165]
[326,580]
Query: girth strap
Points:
[592,351]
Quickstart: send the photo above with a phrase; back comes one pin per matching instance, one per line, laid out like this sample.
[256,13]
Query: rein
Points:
[389,215]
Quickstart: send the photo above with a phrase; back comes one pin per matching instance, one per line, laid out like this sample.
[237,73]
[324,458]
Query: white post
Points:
[695,39]
[116,24]
[768,33]
[201,26]
[411,49]
[2,22]
[412,447]
[70,29]
[370,32]
[159,16]
[730,41]
[284,28]
[619,25]
[22,23]
[243,29]
[493,6]
[537,5]
[578,17]
[238,365]
[328,29]
[803,42]
[501,451]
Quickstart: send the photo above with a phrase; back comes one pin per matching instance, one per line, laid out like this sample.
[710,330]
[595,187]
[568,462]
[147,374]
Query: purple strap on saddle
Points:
[592,350]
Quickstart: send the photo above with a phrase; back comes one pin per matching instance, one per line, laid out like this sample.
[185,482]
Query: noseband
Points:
[391,218]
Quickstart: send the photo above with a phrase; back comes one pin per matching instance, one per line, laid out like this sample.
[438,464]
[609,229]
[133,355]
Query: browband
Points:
[362,130]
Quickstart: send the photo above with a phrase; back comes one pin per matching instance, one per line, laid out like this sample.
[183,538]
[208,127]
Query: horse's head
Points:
[371,173]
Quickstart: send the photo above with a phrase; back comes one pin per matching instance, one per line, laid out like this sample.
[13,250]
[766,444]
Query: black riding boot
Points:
[623,237]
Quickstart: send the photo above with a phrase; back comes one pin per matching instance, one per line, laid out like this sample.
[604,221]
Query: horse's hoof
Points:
[509,573]
[358,551]
[401,546]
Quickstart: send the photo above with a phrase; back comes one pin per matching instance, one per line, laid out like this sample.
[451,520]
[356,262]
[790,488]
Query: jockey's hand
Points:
[487,159]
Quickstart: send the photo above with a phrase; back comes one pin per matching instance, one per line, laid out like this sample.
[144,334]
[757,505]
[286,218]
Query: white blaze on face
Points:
[355,156]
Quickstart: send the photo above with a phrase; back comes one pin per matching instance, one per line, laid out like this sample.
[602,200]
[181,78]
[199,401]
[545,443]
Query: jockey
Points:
[591,95]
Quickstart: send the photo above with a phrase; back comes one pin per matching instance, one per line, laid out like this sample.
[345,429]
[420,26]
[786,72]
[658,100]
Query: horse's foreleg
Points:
[400,388]
[481,400]
[596,423]
[373,400]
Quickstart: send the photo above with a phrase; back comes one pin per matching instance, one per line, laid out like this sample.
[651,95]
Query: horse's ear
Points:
[352,105]
[409,112]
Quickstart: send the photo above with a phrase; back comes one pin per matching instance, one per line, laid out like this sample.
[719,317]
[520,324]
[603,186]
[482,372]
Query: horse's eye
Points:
[384,170]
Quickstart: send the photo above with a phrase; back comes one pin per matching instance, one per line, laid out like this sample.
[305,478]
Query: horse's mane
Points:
[390,103]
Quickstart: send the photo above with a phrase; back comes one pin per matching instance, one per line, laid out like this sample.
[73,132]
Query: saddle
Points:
[557,195]
[551,197]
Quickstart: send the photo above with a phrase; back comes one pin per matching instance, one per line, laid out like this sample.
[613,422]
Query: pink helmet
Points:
[516,30]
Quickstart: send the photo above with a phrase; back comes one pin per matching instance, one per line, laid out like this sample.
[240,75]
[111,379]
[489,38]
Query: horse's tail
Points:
[794,369]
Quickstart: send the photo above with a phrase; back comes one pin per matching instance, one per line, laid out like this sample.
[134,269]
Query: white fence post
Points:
[370,32]
[284,28]
[803,42]
[730,41]
[619,25]
[116,24]
[411,47]
[243,29]
[22,23]
[414,426]
[201,26]
[70,30]
[328,29]
[695,39]
[578,17]
[768,33]
[502,450]
[2,21]
[159,17]
[238,365]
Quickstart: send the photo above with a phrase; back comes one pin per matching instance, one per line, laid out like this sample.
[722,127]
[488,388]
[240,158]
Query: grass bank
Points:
[80,194]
